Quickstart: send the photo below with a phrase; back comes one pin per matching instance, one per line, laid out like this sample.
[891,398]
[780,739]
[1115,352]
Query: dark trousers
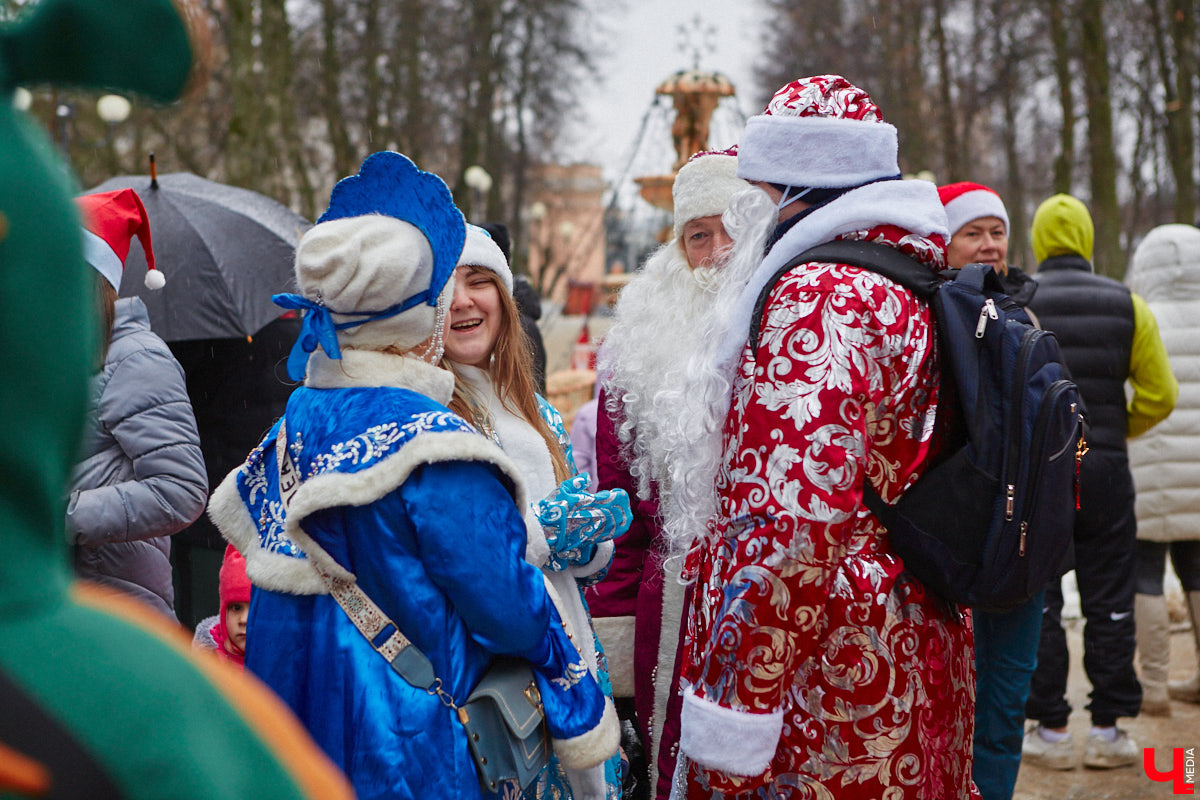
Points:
[1105,566]
[1152,565]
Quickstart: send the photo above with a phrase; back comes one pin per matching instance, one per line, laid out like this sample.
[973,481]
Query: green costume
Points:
[153,719]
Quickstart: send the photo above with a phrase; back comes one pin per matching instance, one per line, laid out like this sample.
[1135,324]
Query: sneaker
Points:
[1051,755]
[1103,754]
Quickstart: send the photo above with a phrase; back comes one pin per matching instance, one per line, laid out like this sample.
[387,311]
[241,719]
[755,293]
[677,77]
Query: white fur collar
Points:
[369,368]
[521,442]
[912,205]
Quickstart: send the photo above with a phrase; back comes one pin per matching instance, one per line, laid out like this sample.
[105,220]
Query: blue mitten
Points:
[575,521]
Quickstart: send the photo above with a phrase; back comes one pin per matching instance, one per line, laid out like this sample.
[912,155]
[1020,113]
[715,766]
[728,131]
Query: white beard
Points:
[694,400]
[660,308]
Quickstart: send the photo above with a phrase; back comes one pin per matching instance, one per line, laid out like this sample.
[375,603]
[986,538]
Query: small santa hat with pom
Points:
[966,202]
[111,220]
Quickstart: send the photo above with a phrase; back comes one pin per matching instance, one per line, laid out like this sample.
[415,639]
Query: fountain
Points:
[695,94]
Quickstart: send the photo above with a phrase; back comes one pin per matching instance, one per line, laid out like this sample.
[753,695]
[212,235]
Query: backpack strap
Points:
[882,260]
[878,258]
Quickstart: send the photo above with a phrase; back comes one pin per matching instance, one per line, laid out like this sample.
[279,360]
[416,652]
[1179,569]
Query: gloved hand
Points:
[575,521]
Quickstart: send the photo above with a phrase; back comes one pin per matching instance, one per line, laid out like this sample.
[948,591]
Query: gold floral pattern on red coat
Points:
[800,606]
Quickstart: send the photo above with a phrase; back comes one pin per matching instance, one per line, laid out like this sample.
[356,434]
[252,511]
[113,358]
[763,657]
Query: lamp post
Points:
[62,118]
[480,183]
[113,109]
[534,216]
[566,232]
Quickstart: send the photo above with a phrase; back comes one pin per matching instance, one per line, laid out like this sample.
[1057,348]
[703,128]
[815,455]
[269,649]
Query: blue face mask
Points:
[787,199]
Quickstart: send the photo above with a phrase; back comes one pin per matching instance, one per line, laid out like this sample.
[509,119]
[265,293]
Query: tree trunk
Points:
[372,50]
[1181,113]
[278,32]
[246,119]
[1009,89]
[1060,40]
[410,79]
[947,113]
[331,70]
[1109,258]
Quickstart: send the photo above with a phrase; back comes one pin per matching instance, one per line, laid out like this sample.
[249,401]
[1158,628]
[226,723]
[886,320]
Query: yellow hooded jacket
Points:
[1062,226]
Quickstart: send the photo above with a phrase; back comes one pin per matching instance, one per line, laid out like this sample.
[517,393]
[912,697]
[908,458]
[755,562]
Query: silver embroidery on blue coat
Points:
[361,451]
[572,676]
[272,531]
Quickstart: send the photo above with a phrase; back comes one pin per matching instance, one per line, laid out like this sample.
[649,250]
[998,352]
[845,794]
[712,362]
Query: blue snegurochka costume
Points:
[405,497]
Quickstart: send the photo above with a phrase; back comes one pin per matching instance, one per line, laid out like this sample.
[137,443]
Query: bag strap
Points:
[878,258]
[384,636]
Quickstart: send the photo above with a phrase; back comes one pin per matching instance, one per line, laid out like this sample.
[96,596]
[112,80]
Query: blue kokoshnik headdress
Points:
[389,184]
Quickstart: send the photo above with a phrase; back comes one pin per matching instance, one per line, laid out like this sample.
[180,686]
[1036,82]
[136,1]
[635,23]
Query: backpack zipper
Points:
[1012,457]
[987,312]
[1039,432]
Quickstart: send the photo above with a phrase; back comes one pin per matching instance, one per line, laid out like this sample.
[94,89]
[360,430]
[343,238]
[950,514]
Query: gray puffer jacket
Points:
[141,477]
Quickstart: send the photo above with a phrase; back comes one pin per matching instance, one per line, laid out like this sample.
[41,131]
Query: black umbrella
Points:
[223,251]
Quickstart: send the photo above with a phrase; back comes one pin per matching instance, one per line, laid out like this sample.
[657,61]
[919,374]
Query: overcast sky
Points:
[642,39]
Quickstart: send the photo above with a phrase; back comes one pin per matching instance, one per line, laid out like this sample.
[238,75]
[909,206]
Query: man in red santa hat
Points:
[813,664]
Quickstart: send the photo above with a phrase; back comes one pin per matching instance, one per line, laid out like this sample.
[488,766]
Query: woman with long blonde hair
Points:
[569,530]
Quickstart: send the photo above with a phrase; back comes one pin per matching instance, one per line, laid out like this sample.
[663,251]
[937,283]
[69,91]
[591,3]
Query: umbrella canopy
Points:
[223,251]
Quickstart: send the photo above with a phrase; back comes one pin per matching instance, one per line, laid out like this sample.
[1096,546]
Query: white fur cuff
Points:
[824,152]
[593,747]
[616,635]
[603,557]
[719,738]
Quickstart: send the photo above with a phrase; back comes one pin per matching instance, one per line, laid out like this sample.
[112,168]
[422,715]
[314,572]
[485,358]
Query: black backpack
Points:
[989,523]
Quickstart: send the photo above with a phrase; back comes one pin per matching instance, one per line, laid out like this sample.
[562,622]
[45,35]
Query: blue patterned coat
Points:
[404,495]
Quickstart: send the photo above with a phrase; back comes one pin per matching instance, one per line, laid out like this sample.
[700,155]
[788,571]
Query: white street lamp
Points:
[22,99]
[113,109]
[478,179]
[480,183]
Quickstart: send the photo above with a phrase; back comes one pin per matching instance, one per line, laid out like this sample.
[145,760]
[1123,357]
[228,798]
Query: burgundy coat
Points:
[627,608]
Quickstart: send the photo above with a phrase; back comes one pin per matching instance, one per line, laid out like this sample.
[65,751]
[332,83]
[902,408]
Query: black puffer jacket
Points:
[1092,317]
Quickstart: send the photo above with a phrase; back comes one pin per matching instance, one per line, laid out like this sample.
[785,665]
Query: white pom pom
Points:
[155,279]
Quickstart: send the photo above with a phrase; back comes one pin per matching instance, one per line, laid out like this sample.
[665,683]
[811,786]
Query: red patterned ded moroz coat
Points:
[817,667]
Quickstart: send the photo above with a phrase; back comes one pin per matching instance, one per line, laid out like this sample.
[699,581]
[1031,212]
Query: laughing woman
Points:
[570,530]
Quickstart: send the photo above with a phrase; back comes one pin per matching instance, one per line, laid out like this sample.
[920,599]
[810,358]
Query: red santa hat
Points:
[111,220]
[819,132]
[966,202]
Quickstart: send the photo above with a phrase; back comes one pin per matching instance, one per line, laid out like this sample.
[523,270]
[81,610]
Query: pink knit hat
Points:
[234,586]
[966,202]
